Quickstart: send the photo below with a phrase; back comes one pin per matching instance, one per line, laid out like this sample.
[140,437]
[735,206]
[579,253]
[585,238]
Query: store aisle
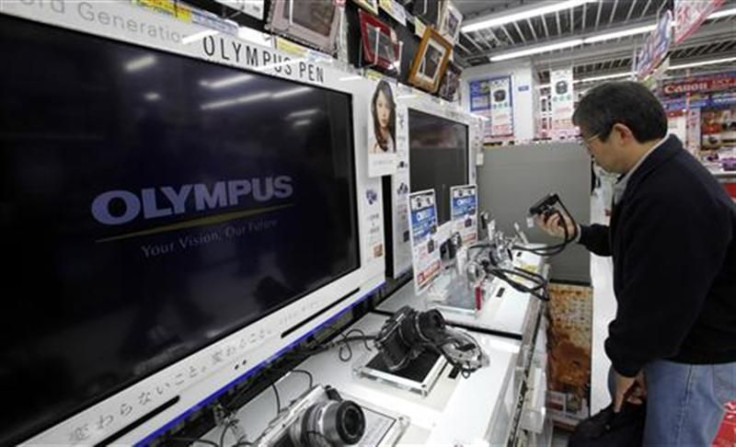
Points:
[604,308]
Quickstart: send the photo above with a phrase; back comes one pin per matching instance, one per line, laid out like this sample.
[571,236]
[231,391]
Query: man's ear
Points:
[623,133]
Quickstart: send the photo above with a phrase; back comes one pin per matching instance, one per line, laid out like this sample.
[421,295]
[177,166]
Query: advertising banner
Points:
[502,114]
[690,14]
[382,131]
[656,47]
[701,84]
[400,192]
[563,101]
[693,130]
[480,104]
[464,209]
[424,243]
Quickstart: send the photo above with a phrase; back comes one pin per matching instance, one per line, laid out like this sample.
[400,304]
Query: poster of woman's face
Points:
[383,112]
[382,131]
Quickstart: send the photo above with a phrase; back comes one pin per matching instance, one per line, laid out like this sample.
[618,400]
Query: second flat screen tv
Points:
[438,157]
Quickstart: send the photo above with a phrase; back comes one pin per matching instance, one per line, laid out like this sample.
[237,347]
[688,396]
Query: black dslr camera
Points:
[407,334]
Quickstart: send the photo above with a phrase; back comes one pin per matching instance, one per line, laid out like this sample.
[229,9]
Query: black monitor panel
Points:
[438,157]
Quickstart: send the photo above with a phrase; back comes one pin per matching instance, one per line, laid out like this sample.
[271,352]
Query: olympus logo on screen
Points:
[119,206]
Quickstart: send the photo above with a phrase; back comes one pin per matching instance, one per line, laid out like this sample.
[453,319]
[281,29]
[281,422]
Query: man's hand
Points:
[629,389]
[553,225]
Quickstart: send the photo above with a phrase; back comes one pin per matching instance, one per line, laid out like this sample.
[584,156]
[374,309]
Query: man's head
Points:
[619,122]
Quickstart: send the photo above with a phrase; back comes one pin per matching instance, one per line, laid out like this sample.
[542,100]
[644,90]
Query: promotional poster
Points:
[502,114]
[464,204]
[424,244]
[382,131]
[563,99]
[400,191]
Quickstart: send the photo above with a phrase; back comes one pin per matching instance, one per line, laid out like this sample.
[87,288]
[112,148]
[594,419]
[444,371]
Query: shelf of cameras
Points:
[393,388]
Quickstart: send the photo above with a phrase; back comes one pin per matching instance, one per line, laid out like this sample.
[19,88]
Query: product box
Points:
[569,334]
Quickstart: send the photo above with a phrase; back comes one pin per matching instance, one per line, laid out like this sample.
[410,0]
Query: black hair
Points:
[628,103]
[385,88]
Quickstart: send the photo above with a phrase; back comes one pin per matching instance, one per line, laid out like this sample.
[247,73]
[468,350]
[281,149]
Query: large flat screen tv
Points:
[151,204]
[438,157]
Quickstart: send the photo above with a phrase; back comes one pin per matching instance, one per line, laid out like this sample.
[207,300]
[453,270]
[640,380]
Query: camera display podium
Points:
[456,410]
[506,312]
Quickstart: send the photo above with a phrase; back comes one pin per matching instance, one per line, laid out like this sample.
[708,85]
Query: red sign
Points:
[690,14]
[699,85]
[726,436]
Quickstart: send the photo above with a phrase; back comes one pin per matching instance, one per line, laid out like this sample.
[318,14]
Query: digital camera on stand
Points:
[320,418]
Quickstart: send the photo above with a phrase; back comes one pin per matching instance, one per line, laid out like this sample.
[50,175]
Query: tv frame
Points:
[250,348]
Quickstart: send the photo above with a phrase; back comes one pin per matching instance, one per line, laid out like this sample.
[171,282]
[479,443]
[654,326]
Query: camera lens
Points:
[328,424]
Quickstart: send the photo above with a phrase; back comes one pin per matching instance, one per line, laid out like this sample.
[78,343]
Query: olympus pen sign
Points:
[138,25]
[120,206]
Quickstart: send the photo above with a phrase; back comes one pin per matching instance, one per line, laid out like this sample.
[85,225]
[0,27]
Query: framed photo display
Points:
[379,42]
[427,10]
[369,5]
[313,22]
[450,21]
[430,61]
[450,86]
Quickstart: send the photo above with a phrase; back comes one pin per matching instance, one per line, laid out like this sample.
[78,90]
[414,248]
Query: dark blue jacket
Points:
[673,241]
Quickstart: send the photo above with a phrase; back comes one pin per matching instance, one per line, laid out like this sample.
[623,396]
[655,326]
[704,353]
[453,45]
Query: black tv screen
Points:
[151,204]
[438,157]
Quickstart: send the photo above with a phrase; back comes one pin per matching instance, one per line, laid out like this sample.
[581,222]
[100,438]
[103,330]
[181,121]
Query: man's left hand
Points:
[629,389]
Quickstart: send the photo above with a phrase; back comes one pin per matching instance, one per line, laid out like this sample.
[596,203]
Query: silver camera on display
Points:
[320,418]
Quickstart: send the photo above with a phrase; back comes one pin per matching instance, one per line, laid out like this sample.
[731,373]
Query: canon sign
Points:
[220,195]
[699,85]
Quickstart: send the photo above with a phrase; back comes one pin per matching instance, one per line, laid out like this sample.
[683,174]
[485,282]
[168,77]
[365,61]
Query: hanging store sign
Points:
[700,85]
[502,112]
[656,47]
[563,101]
[690,14]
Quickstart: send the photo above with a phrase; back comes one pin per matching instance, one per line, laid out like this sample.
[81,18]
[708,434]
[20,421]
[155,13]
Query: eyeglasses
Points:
[585,142]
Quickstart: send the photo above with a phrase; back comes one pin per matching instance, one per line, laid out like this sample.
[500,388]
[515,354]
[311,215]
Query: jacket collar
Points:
[664,153]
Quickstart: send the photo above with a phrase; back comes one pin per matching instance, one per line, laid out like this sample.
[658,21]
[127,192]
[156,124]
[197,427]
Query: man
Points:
[673,241]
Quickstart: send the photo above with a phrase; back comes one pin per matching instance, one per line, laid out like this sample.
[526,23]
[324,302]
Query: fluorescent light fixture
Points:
[724,13]
[231,102]
[291,92]
[603,77]
[523,15]
[537,50]
[701,63]
[198,36]
[543,86]
[409,96]
[619,34]
[152,96]
[302,113]
[302,123]
[140,63]
[226,82]
[351,78]
[280,64]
